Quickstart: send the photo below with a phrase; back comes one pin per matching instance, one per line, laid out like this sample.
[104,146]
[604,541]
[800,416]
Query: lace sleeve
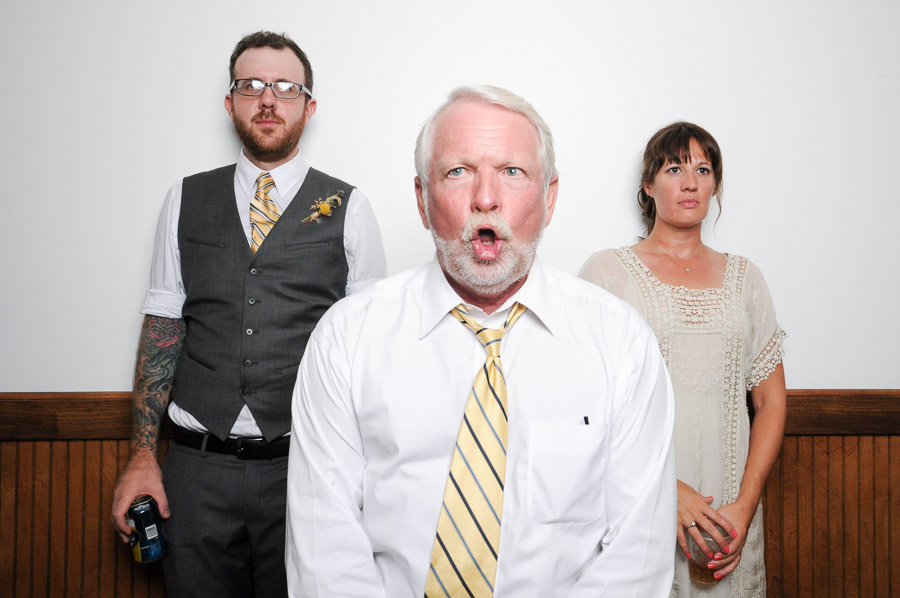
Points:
[765,347]
[768,359]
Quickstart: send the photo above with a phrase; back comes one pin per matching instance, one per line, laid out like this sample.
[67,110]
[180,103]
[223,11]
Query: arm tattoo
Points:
[158,350]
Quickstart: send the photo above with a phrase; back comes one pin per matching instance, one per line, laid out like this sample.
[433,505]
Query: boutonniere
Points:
[324,207]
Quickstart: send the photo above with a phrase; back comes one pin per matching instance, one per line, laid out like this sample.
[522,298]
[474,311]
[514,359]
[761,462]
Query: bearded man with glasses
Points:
[247,259]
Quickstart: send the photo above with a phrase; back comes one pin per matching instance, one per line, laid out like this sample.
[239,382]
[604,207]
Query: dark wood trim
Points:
[67,416]
[842,412]
[107,415]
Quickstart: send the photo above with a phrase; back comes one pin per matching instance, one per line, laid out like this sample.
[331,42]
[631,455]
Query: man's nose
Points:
[267,99]
[486,197]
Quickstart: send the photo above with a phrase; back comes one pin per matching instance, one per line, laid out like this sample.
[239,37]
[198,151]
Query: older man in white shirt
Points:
[552,473]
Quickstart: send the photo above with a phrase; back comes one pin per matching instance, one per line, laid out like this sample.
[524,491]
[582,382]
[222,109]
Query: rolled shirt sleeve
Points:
[165,296]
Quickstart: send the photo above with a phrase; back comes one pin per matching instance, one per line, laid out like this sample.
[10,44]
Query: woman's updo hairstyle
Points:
[672,144]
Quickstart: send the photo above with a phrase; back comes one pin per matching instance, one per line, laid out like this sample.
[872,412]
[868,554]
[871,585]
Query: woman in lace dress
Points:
[716,326]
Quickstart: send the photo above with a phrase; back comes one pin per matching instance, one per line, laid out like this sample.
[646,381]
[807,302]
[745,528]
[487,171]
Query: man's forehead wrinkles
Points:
[484,150]
[487,159]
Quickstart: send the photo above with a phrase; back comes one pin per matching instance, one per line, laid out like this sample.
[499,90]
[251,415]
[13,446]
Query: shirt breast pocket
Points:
[565,473]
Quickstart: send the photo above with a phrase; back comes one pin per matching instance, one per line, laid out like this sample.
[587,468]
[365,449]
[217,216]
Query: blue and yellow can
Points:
[148,534]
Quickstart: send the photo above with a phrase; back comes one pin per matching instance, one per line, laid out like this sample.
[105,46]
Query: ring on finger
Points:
[691,524]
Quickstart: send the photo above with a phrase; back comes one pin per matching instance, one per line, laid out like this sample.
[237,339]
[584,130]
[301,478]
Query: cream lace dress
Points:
[718,343]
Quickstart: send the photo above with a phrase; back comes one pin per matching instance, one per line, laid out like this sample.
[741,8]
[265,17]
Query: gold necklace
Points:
[686,269]
[668,255]
[674,261]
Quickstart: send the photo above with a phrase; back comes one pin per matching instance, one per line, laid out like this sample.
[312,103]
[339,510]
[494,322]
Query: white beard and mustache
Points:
[487,278]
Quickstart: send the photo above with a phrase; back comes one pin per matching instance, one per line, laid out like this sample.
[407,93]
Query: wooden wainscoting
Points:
[832,504]
[60,456]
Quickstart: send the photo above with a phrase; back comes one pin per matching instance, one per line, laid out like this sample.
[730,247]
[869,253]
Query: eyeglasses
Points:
[286,90]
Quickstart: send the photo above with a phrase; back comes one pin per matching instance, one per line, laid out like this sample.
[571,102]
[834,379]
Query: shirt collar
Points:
[438,298]
[286,177]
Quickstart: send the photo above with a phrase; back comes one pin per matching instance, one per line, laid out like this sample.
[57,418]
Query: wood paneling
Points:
[831,506]
[57,472]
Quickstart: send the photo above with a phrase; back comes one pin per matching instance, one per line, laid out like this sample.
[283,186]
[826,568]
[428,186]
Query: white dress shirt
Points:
[166,295]
[589,503]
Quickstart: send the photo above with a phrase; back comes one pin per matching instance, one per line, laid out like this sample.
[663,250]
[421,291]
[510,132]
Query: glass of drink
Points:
[698,564]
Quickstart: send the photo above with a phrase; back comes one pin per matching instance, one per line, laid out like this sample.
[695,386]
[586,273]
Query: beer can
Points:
[148,534]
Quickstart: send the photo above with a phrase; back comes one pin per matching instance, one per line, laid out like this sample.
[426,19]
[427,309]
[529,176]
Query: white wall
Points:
[121,99]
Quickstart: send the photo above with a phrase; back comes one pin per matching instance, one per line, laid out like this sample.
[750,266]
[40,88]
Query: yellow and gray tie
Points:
[263,211]
[464,556]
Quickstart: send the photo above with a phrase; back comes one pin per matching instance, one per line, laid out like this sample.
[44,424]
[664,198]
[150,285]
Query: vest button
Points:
[251,301]
[247,362]
[253,271]
[245,392]
[249,331]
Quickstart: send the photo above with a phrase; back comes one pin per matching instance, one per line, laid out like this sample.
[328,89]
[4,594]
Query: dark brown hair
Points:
[276,41]
[672,145]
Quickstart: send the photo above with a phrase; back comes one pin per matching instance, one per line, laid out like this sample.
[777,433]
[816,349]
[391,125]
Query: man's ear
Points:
[420,200]
[229,106]
[309,109]
[552,190]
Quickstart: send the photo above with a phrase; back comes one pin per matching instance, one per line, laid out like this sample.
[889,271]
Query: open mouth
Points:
[486,244]
[487,235]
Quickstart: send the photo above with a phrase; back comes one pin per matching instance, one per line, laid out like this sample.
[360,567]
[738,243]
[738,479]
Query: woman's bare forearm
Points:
[766,434]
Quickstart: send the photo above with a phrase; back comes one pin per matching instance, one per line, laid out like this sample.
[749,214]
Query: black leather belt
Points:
[242,448]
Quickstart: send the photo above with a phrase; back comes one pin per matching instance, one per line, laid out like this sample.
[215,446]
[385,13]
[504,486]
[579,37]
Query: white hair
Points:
[490,95]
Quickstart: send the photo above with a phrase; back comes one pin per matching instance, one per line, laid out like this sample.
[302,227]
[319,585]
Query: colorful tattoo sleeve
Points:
[158,349]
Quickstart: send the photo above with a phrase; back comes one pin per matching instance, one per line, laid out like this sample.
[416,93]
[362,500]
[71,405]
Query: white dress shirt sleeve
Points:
[328,553]
[362,244]
[165,296]
[637,555]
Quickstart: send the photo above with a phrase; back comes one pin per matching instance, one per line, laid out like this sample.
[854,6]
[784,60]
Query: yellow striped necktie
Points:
[263,211]
[464,556]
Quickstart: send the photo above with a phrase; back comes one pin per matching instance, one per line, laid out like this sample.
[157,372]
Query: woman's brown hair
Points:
[672,145]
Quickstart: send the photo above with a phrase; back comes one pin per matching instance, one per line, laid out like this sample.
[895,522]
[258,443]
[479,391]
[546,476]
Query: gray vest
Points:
[249,315]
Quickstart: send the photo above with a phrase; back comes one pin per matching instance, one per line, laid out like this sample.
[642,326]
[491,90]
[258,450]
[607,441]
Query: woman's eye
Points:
[675,169]
[703,170]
